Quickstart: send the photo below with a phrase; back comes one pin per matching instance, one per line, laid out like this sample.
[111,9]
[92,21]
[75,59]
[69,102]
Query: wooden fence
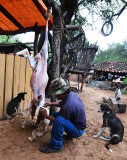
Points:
[15,73]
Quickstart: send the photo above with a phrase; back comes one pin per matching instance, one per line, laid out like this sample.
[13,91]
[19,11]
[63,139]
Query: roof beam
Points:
[10,17]
[39,8]
[23,30]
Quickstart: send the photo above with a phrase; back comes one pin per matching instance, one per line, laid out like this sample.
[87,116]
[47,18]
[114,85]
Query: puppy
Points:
[41,122]
[14,105]
[114,125]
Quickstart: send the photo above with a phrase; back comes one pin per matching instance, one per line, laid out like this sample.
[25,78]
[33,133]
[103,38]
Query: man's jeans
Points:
[62,125]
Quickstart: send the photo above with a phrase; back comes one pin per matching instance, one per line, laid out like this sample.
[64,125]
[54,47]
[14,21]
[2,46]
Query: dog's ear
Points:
[18,94]
[105,107]
[21,93]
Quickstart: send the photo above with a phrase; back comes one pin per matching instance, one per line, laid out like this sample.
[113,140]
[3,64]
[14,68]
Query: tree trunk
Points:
[57,34]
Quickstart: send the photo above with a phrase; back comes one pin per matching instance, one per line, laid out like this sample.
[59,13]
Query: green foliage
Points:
[115,52]
[125,80]
[90,10]
[8,39]
[125,92]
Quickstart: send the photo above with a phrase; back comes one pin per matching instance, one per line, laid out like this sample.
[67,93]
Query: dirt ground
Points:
[14,143]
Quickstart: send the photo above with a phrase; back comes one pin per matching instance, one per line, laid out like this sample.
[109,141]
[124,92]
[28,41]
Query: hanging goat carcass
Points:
[39,78]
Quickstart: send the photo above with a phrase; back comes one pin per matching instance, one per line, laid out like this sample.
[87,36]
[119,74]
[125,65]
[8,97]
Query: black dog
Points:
[114,124]
[14,104]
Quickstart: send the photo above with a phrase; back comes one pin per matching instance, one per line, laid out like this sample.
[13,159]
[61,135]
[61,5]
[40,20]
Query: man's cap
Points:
[59,86]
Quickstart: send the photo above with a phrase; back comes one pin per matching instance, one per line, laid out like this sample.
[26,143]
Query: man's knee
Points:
[60,119]
[55,114]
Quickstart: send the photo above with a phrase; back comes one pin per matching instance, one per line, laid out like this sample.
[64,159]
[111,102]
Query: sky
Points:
[118,35]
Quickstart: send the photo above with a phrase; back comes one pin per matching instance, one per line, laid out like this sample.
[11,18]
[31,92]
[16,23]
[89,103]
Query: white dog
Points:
[118,93]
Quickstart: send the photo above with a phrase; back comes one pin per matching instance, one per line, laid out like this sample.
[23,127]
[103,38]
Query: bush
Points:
[125,92]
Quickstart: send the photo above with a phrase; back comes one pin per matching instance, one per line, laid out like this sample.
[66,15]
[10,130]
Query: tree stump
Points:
[122,107]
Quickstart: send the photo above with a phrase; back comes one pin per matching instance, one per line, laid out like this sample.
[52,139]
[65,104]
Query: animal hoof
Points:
[30,139]
[22,126]
[39,134]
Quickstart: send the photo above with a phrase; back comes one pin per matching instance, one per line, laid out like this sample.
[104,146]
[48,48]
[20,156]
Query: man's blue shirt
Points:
[73,109]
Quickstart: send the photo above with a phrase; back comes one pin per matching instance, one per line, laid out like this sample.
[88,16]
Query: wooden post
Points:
[82,82]
[2,81]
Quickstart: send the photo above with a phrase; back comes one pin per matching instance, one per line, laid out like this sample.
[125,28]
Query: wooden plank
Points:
[27,86]
[16,76]
[2,76]
[22,78]
[8,80]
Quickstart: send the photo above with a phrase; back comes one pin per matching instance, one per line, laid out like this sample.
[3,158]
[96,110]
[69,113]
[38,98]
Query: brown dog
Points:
[41,122]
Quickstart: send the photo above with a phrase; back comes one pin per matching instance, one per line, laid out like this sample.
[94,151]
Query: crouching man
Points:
[71,118]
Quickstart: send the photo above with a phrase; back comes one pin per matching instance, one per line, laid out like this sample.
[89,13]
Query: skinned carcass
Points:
[39,78]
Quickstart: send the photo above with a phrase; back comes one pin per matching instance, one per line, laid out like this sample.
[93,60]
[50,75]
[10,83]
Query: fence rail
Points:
[15,73]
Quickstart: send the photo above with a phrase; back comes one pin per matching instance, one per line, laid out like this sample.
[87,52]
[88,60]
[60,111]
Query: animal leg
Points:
[29,112]
[42,101]
[42,129]
[39,131]
[100,131]
[36,114]
[24,123]
[34,135]
[105,138]
[45,45]
[31,60]
[18,111]
[107,146]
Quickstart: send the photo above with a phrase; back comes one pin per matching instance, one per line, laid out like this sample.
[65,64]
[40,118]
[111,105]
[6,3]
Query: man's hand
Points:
[43,113]
[47,104]
[51,104]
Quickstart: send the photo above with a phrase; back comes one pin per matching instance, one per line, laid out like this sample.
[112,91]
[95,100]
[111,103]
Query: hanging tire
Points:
[107,28]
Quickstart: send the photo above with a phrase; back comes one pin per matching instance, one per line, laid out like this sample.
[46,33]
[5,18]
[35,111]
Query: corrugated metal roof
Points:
[19,16]
[108,66]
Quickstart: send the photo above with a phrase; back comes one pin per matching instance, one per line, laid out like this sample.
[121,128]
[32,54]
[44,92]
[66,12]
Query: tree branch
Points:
[53,4]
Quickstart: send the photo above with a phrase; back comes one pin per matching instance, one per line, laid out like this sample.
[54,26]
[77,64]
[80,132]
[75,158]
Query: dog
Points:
[114,125]
[14,105]
[42,122]
[118,93]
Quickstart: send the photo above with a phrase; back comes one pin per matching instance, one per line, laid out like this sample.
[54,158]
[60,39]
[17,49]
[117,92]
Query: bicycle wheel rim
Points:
[106,25]
[79,42]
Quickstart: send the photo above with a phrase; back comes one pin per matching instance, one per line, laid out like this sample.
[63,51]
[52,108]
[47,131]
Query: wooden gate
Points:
[15,73]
